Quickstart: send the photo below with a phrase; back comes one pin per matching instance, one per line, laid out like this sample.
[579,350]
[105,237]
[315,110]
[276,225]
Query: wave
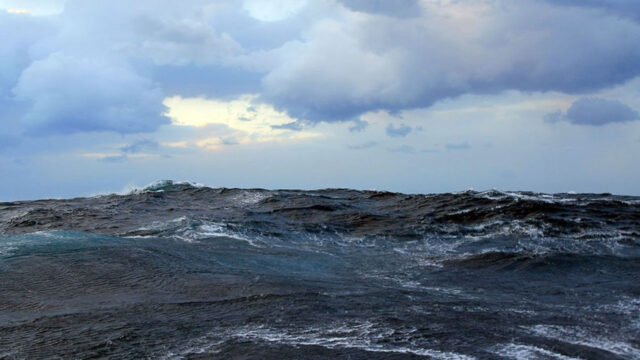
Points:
[434,227]
[576,335]
[181,270]
[527,352]
[466,212]
[367,336]
[526,261]
[53,242]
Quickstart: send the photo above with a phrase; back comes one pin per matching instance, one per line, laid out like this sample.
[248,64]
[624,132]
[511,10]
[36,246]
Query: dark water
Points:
[179,271]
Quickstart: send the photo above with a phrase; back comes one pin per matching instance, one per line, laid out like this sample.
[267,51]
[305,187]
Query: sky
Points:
[414,96]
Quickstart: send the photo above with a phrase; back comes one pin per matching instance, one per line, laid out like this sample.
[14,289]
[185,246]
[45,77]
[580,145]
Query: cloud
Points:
[625,8]
[94,67]
[139,146]
[407,149]
[215,123]
[554,117]
[358,125]
[107,65]
[595,112]
[361,62]
[429,151]
[274,10]
[294,125]
[180,42]
[230,141]
[399,8]
[367,145]
[400,131]
[70,94]
[136,149]
[18,33]
[114,158]
[458,146]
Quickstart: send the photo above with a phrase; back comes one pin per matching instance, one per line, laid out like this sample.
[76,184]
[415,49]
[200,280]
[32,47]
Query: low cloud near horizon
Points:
[595,112]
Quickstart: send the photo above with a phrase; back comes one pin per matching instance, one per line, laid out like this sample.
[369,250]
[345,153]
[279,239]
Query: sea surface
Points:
[182,271]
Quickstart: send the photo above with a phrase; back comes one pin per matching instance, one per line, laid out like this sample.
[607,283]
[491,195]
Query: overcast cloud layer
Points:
[77,67]
[329,61]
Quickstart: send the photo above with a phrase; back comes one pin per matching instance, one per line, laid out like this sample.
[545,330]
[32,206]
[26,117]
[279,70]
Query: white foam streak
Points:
[191,231]
[249,197]
[364,336]
[526,352]
[360,336]
[580,336]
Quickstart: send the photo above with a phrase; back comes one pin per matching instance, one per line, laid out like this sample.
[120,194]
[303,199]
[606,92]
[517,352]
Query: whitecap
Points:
[526,352]
[578,336]
[363,336]
[192,230]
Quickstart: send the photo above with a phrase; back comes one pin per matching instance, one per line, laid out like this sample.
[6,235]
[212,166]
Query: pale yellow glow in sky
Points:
[249,122]
[32,7]
[17,11]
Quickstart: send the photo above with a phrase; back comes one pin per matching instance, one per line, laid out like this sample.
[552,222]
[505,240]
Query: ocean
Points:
[183,271]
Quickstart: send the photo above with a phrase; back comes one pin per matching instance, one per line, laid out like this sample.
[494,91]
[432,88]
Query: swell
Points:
[522,261]
[357,213]
[178,270]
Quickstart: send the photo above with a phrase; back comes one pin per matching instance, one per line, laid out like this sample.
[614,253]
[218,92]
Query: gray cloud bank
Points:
[400,131]
[595,112]
[625,8]
[107,65]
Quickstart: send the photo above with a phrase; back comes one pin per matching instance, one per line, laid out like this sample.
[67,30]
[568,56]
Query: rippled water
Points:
[182,271]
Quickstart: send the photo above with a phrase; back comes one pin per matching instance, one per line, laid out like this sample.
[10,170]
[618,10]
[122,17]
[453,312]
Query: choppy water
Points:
[181,271]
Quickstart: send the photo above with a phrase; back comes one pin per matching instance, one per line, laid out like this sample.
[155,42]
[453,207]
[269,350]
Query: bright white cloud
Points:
[70,94]
[360,62]
[242,121]
[19,34]
[273,10]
